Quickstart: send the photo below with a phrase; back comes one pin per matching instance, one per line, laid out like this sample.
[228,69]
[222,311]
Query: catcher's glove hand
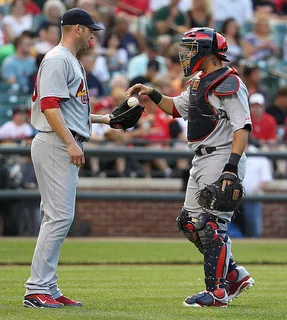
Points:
[212,197]
[124,117]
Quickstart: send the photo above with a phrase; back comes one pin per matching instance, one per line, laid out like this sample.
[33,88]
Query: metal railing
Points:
[22,194]
[142,153]
[138,153]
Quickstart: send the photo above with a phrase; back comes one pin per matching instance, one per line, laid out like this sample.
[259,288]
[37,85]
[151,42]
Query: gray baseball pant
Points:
[57,180]
[205,170]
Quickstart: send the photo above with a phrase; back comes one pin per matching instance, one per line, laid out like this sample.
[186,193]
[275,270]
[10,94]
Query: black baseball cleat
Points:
[217,298]
[68,302]
[41,301]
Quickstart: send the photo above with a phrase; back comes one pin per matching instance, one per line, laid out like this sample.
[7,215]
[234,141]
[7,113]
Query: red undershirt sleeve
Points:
[49,103]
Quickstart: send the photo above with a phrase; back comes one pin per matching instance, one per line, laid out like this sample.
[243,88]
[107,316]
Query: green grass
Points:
[141,292]
[144,292]
[95,251]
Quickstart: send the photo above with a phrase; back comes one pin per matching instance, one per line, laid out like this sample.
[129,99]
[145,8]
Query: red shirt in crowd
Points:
[32,8]
[264,128]
[141,6]
[159,127]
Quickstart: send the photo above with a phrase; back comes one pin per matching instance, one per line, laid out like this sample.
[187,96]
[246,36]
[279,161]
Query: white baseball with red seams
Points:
[132,102]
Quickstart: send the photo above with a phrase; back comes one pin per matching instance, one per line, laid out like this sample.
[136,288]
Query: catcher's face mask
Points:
[189,57]
[198,44]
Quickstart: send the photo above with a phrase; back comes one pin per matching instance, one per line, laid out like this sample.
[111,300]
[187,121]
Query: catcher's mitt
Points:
[124,117]
[212,197]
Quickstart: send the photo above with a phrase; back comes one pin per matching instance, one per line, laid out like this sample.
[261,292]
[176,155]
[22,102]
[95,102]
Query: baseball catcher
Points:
[215,106]
[124,116]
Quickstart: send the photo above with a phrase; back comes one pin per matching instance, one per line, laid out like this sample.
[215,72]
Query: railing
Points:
[139,153]
[21,194]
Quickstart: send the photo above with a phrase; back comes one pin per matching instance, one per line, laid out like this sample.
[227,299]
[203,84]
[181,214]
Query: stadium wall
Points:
[153,219]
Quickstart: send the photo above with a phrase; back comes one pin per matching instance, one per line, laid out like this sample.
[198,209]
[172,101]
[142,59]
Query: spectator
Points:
[53,11]
[166,46]
[152,131]
[23,216]
[17,21]
[167,20]
[155,5]
[172,82]
[264,7]
[178,130]
[152,72]
[199,15]
[70,4]
[127,6]
[112,138]
[240,10]
[6,50]
[119,81]
[49,37]
[88,5]
[259,45]
[127,40]
[264,125]
[230,29]
[17,128]
[100,69]
[252,78]
[137,66]
[2,35]
[116,56]
[31,7]
[18,68]
[88,58]
[258,173]
[279,108]
[33,77]
[285,133]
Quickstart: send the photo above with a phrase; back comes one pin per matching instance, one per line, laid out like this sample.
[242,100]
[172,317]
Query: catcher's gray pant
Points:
[205,170]
[57,179]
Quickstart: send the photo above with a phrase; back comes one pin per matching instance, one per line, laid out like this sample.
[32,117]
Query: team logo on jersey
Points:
[195,84]
[82,92]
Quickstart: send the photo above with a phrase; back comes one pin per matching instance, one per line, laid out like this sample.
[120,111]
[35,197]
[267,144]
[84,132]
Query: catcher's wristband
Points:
[155,96]
[232,164]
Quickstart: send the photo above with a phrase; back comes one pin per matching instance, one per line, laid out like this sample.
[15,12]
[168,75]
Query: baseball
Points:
[132,102]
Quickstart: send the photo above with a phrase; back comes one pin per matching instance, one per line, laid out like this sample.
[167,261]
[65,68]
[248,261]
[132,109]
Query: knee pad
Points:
[184,223]
[214,250]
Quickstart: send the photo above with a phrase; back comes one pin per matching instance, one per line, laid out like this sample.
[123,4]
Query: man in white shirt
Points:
[17,128]
[257,174]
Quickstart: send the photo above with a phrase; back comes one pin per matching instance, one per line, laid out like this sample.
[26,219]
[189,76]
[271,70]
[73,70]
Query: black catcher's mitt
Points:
[124,117]
[212,197]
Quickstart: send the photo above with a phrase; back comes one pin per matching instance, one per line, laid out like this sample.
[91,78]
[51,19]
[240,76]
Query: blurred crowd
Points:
[140,45]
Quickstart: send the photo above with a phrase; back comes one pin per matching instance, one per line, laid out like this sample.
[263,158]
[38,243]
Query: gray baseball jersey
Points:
[236,107]
[61,75]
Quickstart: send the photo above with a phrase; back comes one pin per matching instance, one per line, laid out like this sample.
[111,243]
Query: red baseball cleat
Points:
[41,301]
[68,302]
[238,281]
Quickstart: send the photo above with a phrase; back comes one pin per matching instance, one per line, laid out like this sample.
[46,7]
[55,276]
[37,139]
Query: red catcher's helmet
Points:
[201,43]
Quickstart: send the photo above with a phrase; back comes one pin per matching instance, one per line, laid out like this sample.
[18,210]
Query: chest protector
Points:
[202,116]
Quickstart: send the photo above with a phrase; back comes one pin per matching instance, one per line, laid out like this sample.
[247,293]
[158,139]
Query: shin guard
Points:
[215,250]
[184,223]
